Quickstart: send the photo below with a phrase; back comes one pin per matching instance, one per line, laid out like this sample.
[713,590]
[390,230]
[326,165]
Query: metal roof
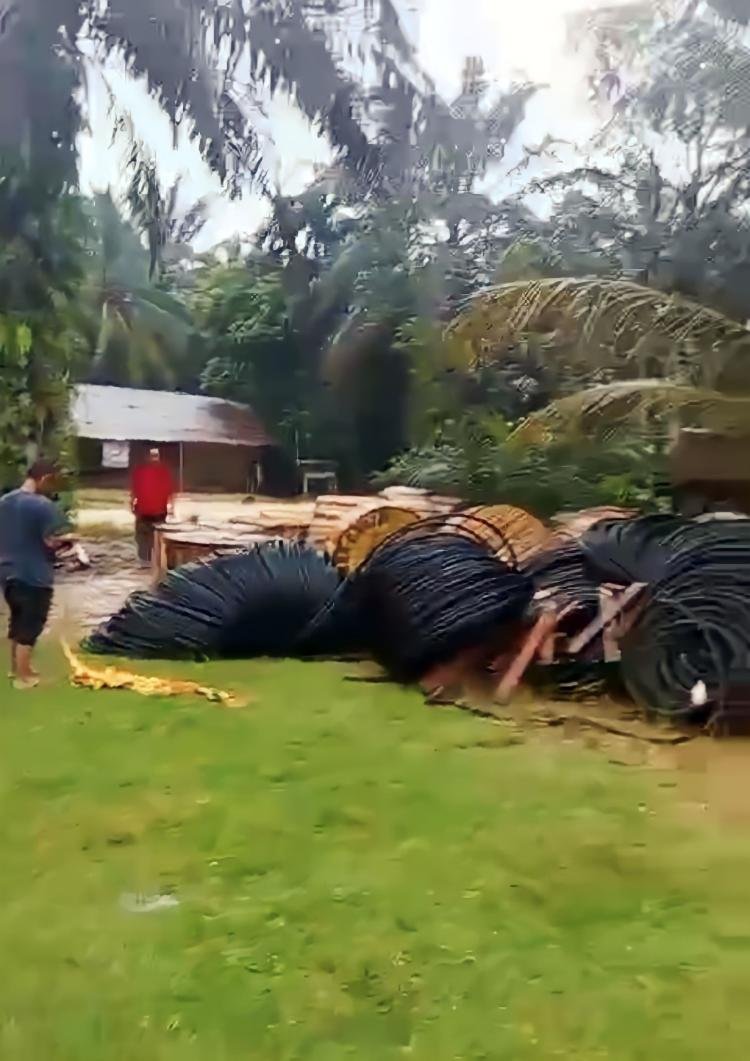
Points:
[124,414]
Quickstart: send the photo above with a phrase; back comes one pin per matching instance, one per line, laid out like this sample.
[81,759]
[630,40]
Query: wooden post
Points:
[610,607]
[158,556]
[182,468]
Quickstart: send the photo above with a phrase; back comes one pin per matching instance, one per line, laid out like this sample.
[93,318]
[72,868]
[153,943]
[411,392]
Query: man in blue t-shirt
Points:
[31,531]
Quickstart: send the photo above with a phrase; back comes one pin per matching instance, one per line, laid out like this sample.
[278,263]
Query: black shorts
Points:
[29,609]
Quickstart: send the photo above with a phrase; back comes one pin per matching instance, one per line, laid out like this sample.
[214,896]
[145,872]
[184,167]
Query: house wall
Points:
[207,466]
[213,467]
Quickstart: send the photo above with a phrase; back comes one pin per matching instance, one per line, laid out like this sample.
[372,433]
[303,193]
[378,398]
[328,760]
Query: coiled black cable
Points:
[247,604]
[690,646]
[633,550]
[424,596]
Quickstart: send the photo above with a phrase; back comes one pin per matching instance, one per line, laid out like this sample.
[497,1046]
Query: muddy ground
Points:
[83,599]
[206,509]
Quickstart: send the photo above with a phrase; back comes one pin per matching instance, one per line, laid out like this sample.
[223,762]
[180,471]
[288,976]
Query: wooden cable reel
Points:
[510,532]
[366,532]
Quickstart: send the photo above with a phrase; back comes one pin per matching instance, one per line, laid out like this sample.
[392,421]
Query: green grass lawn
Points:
[358,876]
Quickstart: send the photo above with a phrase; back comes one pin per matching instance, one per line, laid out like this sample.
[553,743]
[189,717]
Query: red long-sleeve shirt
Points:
[152,489]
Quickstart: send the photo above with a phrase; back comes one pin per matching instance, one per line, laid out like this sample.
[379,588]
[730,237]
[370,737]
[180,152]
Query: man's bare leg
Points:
[13,659]
[25,673]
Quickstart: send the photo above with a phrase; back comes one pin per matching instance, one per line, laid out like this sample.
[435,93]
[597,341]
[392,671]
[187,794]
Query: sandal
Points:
[22,684]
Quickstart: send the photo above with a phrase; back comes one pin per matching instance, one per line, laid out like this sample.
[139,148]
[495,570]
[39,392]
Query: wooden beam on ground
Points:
[540,632]
[547,652]
[611,607]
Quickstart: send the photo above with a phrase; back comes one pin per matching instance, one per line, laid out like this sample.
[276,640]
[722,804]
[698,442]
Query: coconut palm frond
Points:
[607,320]
[608,408]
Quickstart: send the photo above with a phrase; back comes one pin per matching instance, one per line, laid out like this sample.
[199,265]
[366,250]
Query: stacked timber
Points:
[576,524]
[278,519]
[336,513]
[422,503]
[333,514]
[182,543]
[347,526]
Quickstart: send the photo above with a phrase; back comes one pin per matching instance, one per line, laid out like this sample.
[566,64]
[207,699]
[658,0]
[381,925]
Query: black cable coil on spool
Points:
[561,580]
[347,624]
[253,603]
[423,596]
[689,651]
[633,550]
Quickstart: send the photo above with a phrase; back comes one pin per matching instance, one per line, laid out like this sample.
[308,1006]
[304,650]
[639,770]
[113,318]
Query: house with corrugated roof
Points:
[210,443]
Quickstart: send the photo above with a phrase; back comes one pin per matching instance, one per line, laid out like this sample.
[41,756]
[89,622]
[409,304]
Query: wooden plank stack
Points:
[336,513]
[575,524]
[277,519]
[321,523]
[333,514]
[421,502]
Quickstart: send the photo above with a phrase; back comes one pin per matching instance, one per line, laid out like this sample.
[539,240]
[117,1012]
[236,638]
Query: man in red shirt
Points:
[151,498]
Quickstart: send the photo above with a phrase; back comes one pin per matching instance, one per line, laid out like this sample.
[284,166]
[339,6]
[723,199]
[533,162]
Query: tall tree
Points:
[203,59]
[153,211]
[661,197]
[41,328]
[621,350]
[253,354]
[138,333]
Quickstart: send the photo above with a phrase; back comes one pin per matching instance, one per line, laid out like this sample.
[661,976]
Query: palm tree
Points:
[614,327]
[194,55]
[139,334]
[646,353]
[40,342]
[153,212]
[612,409]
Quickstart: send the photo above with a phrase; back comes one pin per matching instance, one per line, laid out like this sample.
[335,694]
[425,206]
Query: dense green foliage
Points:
[139,333]
[476,458]
[252,352]
[132,324]
[331,324]
[41,340]
[672,75]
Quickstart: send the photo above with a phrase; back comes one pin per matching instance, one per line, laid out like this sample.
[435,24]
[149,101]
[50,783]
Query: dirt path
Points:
[204,509]
[709,774]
